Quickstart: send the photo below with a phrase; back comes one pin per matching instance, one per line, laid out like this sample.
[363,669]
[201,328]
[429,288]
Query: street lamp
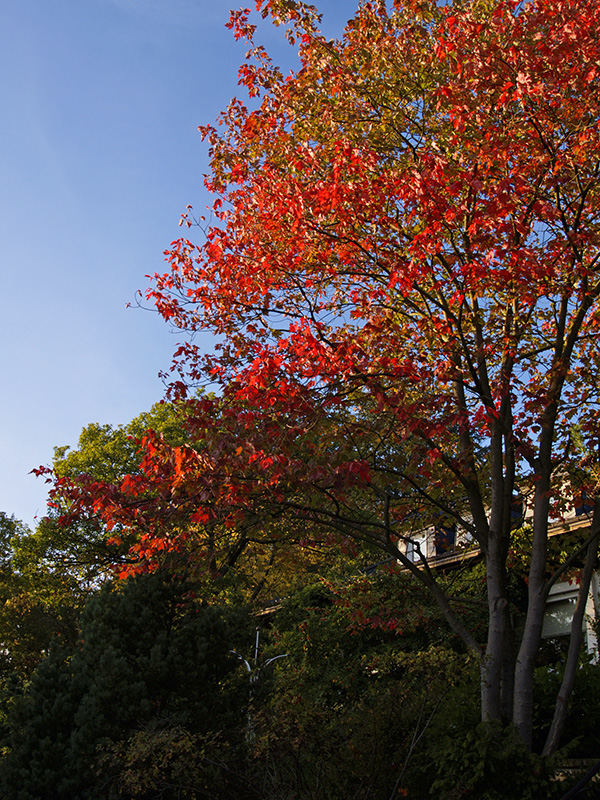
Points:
[254,672]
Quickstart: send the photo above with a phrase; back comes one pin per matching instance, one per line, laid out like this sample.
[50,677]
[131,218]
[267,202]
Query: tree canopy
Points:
[402,262]
[38,604]
[151,669]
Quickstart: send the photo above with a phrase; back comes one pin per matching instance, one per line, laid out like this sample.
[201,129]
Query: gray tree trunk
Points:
[532,632]
[562,700]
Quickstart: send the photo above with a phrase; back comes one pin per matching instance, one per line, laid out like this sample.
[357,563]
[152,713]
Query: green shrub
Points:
[148,660]
[488,763]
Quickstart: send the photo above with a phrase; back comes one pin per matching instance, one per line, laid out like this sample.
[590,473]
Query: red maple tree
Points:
[403,266]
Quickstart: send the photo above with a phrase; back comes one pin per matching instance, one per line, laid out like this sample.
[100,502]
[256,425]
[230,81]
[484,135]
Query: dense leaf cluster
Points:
[149,666]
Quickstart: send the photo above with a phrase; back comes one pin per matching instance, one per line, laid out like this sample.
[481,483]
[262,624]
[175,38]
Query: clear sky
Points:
[99,155]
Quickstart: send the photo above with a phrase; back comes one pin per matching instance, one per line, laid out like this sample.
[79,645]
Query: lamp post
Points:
[254,672]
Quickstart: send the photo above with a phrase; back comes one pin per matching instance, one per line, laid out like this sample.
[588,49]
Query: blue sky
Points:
[99,155]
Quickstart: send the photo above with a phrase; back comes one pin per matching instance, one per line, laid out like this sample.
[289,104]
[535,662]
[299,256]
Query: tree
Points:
[76,540]
[38,604]
[403,265]
[152,666]
[80,546]
[355,709]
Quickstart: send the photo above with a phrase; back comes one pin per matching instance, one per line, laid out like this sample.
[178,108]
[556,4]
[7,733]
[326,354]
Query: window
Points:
[583,503]
[412,553]
[444,537]
[559,614]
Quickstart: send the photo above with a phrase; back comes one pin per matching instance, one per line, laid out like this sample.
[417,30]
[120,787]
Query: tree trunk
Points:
[508,672]
[562,699]
[530,640]
[493,661]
